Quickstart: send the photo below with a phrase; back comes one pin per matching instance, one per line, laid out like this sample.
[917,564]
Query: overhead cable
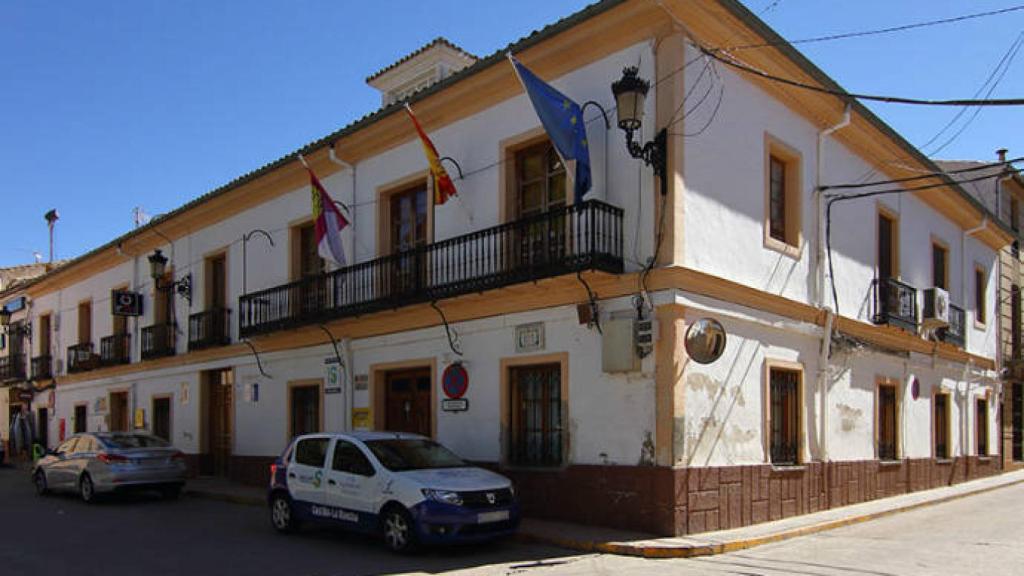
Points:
[889,30]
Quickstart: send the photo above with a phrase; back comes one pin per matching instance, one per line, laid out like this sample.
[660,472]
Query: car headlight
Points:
[444,496]
[512,490]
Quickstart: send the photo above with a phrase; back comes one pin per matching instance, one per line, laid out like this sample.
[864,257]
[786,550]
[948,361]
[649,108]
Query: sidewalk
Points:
[611,541]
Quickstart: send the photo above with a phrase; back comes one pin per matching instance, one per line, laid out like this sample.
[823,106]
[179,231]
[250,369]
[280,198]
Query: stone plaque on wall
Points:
[530,337]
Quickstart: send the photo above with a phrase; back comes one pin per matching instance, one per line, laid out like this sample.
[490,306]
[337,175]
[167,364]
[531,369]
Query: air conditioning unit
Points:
[936,308]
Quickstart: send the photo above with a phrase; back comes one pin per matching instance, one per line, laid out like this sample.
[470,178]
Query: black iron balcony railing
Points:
[895,303]
[12,367]
[585,236]
[81,358]
[116,349]
[208,329]
[955,332]
[42,367]
[158,341]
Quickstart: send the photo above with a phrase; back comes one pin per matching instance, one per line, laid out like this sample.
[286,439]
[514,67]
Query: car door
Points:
[352,485]
[306,470]
[58,474]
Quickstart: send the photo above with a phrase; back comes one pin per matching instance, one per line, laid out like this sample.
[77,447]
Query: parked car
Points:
[405,487]
[93,464]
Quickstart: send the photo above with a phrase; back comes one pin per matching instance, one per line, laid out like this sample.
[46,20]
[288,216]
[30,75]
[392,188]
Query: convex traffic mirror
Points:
[705,340]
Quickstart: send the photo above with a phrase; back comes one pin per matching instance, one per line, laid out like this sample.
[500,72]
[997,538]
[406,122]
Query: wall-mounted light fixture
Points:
[630,93]
[157,267]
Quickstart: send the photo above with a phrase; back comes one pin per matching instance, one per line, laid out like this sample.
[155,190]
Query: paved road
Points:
[147,537]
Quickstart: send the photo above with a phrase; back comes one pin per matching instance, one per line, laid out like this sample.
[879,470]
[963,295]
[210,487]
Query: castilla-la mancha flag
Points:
[328,222]
[444,188]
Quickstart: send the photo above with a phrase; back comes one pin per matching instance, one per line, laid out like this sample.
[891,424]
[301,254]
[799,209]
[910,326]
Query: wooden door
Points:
[219,421]
[408,232]
[407,401]
[85,323]
[119,412]
[44,335]
[540,189]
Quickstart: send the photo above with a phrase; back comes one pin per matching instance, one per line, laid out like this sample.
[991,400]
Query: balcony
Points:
[116,349]
[12,367]
[585,236]
[81,358]
[209,329]
[42,367]
[955,333]
[895,303]
[158,341]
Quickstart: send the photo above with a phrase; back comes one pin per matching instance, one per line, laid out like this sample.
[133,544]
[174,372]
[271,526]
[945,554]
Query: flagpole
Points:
[570,174]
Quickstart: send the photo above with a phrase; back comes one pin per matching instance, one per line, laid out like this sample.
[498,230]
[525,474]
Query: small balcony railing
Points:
[42,367]
[116,349]
[584,236]
[895,303]
[208,329]
[12,367]
[955,332]
[158,341]
[81,358]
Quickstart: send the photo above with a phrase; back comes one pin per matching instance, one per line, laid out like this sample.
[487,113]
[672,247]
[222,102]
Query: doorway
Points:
[43,426]
[218,422]
[119,411]
[407,401]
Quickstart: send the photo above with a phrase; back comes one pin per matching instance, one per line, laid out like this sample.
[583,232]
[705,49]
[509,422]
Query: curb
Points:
[694,550]
[222,497]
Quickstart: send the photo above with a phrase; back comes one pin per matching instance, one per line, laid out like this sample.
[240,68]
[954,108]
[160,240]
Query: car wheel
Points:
[282,516]
[86,489]
[399,535]
[39,479]
[170,492]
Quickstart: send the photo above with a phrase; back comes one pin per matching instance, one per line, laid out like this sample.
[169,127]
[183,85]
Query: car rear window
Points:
[311,452]
[127,441]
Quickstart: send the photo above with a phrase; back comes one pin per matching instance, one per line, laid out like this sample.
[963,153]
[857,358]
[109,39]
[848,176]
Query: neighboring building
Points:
[1003,195]
[16,392]
[544,301]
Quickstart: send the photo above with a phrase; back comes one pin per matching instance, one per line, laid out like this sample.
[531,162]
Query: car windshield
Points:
[413,454]
[127,441]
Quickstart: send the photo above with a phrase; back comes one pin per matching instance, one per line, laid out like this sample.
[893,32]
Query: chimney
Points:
[51,220]
[1001,153]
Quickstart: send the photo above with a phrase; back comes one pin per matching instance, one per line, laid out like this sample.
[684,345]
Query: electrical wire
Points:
[863,33]
[1008,58]
[923,176]
[977,94]
[857,95]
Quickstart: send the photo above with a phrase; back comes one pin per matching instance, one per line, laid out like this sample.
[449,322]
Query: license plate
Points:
[485,517]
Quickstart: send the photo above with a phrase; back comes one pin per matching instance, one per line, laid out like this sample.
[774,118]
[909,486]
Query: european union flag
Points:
[563,121]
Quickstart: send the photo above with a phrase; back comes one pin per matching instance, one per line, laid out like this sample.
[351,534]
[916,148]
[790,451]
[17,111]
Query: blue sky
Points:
[109,105]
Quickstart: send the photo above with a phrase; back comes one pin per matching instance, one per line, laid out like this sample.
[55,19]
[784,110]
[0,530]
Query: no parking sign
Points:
[455,382]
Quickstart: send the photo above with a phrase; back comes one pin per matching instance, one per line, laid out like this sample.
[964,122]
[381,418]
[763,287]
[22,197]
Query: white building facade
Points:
[510,322]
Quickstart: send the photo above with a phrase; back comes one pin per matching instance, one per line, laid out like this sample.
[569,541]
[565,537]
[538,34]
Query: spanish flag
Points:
[443,186]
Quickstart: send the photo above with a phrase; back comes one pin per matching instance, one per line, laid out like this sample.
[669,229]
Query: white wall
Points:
[725,210]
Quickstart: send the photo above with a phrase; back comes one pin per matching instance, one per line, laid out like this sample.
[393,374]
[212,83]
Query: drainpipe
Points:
[819,264]
[352,170]
[823,364]
[819,288]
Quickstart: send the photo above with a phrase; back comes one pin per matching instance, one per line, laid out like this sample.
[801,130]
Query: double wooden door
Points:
[407,401]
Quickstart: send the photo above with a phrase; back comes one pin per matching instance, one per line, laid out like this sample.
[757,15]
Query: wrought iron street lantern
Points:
[630,93]
[157,268]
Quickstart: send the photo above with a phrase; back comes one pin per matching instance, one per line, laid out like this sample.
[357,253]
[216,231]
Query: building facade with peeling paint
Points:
[555,340]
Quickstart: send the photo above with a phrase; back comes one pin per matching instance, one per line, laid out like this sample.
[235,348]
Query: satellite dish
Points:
[705,340]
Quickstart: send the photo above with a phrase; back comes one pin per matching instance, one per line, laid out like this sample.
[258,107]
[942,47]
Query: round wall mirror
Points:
[705,340]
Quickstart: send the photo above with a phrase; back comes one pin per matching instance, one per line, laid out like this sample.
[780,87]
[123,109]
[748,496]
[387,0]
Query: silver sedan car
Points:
[97,463]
